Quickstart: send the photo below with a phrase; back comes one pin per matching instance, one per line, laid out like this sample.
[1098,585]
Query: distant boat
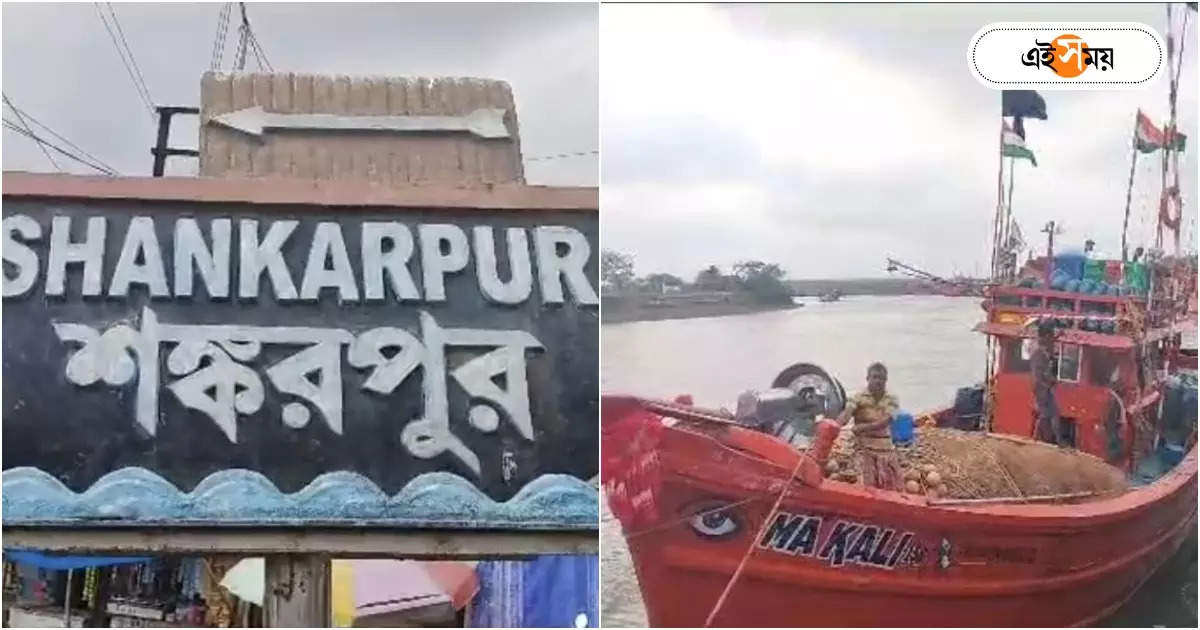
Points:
[831,296]
[959,286]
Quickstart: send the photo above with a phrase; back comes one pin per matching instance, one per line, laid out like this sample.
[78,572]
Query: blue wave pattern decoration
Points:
[136,496]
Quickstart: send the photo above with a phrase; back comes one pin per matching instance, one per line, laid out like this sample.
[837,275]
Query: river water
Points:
[929,348]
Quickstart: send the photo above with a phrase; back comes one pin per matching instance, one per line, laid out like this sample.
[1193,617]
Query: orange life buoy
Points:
[1164,208]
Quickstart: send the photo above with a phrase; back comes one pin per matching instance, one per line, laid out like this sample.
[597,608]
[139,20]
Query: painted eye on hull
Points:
[714,524]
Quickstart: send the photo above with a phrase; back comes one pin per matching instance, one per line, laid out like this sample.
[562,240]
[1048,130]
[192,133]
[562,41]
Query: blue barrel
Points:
[1059,280]
[902,428]
[1070,263]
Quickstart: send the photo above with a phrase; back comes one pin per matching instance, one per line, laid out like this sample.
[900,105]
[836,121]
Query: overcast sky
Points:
[829,137]
[61,67]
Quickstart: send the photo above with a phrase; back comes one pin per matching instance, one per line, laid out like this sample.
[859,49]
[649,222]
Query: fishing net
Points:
[975,465]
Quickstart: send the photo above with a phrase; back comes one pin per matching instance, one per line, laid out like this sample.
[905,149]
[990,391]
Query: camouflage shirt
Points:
[864,407]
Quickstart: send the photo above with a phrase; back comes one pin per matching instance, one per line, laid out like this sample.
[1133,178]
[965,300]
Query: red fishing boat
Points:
[733,522]
[699,495]
[730,526]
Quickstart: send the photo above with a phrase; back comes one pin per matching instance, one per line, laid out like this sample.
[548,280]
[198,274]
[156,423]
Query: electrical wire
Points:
[129,51]
[25,115]
[11,126]
[21,118]
[558,156]
[145,99]
[8,124]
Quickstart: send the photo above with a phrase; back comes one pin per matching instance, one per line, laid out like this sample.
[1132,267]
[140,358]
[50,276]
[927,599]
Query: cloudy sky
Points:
[61,67]
[829,137]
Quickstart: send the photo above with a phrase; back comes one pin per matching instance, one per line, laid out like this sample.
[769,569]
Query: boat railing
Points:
[1111,314]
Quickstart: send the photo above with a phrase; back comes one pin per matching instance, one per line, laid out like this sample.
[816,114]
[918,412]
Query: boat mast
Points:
[1006,229]
[1129,194]
[989,369]
[1170,156]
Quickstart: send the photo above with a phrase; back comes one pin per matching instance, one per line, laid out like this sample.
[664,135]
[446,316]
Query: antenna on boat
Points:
[1052,228]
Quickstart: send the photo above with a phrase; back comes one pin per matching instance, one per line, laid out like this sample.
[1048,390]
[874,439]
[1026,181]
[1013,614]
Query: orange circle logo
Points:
[1068,56]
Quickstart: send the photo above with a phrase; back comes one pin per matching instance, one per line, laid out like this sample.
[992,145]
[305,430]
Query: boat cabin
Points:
[1112,358]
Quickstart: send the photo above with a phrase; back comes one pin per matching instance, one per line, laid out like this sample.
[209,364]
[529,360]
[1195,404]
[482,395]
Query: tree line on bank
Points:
[762,282]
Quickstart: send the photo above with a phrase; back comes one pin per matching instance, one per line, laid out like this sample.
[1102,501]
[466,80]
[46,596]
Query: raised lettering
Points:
[20,255]
[63,252]
[394,262]
[435,264]
[212,265]
[141,243]
[553,269]
[327,243]
[257,257]
[520,283]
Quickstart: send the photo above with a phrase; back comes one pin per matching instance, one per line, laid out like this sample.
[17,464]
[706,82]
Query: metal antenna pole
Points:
[160,150]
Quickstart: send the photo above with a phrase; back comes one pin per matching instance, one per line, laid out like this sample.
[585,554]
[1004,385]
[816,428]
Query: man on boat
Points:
[1048,427]
[872,411]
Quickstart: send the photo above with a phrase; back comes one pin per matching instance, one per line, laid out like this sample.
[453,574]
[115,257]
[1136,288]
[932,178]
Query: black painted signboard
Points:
[184,339]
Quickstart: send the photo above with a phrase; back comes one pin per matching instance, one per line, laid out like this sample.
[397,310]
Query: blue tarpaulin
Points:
[547,592]
[65,563]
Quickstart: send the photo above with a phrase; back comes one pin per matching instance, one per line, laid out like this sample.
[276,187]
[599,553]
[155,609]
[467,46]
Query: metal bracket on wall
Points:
[160,150]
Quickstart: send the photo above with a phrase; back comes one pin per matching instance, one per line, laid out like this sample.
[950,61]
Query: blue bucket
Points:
[1170,454]
[902,428]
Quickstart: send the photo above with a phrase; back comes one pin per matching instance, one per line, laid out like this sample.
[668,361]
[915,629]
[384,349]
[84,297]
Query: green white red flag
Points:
[1013,146]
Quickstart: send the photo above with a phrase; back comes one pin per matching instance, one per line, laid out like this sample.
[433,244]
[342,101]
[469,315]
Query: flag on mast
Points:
[1013,146]
[1148,138]
[1022,104]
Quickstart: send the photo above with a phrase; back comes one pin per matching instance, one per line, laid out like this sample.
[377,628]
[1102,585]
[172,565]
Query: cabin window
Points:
[1060,304]
[1068,362]
[1103,367]
[1016,355]
[1034,302]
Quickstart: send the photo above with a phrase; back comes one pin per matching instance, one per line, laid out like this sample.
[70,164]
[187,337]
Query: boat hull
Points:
[841,555]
